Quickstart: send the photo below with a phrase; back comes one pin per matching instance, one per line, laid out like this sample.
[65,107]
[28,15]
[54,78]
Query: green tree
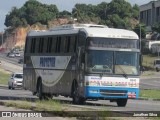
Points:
[64,14]
[83,12]
[140,28]
[119,14]
[156,27]
[14,19]
[31,13]
[135,11]
[37,12]
[101,9]
[115,21]
[120,7]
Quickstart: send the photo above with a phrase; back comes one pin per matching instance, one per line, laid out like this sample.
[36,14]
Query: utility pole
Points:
[140,36]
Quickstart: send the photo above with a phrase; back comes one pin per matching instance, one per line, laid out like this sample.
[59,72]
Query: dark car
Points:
[8,54]
[20,61]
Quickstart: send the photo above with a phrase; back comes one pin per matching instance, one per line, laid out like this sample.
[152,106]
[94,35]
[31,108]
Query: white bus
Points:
[83,61]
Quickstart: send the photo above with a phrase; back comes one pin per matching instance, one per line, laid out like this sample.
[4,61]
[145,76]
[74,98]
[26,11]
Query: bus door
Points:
[80,71]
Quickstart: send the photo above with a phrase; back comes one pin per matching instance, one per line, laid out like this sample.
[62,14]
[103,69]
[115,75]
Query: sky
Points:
[6,6]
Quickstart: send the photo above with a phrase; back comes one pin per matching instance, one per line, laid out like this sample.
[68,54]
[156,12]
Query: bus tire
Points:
[34,93]
[48,96]
[122,102]
[157,69]
[9,87]
[39,90]
[75,95]
[12,87]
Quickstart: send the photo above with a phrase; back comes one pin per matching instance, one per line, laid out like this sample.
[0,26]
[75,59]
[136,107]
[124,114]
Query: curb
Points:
[149,99]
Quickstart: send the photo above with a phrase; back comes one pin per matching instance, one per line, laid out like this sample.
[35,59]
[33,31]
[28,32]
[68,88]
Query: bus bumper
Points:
[111,92]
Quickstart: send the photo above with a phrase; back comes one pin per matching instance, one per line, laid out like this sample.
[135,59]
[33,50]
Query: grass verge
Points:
[4,76]
[148,73]
[19,104]
[153,94]
[65,110]
[55,108]
[48,105]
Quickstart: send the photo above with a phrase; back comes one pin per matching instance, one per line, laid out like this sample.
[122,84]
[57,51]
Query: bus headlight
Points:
[15,81]
[92,83]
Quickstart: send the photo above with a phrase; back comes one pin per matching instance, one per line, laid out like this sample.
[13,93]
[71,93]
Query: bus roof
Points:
[91,30]
[110,33]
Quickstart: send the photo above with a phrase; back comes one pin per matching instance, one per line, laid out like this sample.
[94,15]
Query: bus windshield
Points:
[100,61]
[110,62]
[126,62]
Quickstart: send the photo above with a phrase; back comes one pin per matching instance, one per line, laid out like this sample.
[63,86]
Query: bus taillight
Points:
[131,95]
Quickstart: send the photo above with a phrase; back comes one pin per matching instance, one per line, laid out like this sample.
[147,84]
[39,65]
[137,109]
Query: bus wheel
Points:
[34,93]
[39,91]
[121,102]
[48,96]
[157,69]
[75,95]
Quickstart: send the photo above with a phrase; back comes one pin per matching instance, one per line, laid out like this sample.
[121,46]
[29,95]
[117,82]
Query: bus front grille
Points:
[113,92]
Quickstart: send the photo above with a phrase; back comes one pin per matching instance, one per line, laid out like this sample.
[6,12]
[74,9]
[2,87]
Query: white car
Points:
[11,55]
[15,80]
[157,64]
[17,54]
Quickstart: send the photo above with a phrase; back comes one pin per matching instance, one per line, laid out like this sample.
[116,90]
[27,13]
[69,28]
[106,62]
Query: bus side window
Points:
[67,44]
[49,44]
[45,45]
[53,45]
[27,45]
[76,41]
[37,45]
[41,42]
[33,45]
[63,43]
[58,44]
[72,44]
[81,40]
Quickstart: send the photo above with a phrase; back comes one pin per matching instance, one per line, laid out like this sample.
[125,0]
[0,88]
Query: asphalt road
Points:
[150,83]
[10,64]
[132,105]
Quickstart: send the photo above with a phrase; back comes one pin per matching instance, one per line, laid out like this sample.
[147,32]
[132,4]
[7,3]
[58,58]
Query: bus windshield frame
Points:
[112,59]
[113,43]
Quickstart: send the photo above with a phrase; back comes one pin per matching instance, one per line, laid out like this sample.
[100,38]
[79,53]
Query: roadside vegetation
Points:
[55,108]
[117,13]
[4,76]
[46,105]
[152,94]
[148,61]
[19,104]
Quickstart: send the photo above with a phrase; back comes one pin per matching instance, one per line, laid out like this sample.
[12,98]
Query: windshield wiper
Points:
[105,67]
[124,73]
